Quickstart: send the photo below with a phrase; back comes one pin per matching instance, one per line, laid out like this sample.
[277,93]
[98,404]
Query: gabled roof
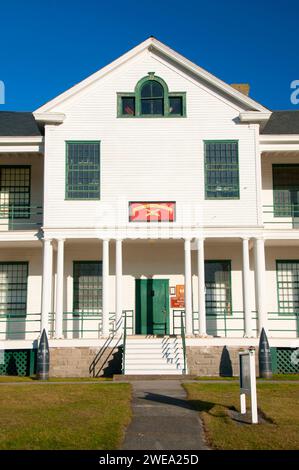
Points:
[152,44]
[15,124]
[282,122]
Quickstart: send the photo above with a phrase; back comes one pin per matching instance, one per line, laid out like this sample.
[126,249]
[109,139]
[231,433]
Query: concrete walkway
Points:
[163,418]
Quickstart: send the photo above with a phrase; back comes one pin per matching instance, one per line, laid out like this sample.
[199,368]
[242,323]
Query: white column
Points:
[59,289]
[260,274]
[118,283]
[246,289]
[47,283]
[188,288]
[201,287]
[105,299]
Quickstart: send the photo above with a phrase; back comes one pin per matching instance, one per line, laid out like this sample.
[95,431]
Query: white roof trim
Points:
[49,118]
[152,44]
[254,116]
[21,140]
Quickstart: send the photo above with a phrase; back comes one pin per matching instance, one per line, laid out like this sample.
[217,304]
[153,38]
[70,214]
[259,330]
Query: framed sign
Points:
[152,211]
[179,300]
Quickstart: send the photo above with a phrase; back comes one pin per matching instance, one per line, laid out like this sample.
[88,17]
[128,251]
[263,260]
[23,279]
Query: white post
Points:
[260,273]
[201,287]
[105,299]
[254,414]
[47,283]
[188,287]
[59,289]
[246,289]
[118,284]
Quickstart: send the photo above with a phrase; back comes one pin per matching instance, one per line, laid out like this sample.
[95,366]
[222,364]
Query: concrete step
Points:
[129,377]
[151,372]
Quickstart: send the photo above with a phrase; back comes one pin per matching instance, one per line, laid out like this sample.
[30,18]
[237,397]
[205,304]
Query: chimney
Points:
[242,87]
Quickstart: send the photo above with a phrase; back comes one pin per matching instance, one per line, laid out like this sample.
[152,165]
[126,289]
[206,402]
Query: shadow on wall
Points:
[225,367]
[107,362]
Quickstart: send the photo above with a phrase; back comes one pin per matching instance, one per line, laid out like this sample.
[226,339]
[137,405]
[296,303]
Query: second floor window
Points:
[83,170]
[14,192]
[286,190]
[221,170]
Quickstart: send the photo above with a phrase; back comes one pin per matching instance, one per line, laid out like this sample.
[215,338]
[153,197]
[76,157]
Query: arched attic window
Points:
[151,98]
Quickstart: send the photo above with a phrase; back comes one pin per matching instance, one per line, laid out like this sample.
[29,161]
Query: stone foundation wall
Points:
[214,360]
[84,362]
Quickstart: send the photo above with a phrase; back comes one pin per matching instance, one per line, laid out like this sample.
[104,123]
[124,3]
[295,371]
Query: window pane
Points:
[88,286]
[176,105]
[15,192]
[286,190]
[152,89]
[13,288]
[218,287]
[288,286]
[154,106]
[221,170]
[128,106]
[83,170]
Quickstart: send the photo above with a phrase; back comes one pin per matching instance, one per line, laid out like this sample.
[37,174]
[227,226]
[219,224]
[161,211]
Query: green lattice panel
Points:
[16,362]
[287,361]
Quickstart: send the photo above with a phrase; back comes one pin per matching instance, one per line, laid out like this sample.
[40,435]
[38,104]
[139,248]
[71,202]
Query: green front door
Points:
[152,306]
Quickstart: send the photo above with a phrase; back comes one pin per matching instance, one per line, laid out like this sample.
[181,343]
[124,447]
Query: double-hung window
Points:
[14,192]
[83,170]
[221,169]
[286,190]
[13,288]
[288,285]
[87,296]
[218,287]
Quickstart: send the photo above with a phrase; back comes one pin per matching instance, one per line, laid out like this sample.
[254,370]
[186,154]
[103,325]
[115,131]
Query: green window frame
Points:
[285,178]
[221,169]
[13,288]
[83,170]
[170,101]
[15,187]
[218,287]
[287,276]
[87,287]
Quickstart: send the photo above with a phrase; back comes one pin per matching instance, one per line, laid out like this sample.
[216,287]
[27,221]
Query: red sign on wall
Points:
[152,211]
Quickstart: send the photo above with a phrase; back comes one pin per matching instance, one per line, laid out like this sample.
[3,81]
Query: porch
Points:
[87,290]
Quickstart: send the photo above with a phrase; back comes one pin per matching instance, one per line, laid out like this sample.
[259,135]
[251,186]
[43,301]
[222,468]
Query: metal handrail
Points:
[124,342]
[183,342]
[20,215]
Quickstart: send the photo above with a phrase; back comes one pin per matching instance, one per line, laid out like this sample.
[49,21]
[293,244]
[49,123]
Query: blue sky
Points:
[48,46]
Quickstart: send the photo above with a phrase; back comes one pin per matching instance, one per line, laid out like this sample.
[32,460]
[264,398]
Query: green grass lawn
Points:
[86,416]
[32,379]
[274,377]
[278,402]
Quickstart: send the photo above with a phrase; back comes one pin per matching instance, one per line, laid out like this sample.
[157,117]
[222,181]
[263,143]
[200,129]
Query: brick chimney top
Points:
[242,87]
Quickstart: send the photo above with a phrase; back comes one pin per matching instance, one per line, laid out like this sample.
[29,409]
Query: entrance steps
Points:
[153,355]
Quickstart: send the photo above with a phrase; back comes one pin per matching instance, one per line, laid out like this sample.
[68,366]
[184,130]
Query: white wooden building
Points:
[151,195]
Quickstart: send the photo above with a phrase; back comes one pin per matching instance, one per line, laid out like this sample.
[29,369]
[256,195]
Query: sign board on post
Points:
[248,382]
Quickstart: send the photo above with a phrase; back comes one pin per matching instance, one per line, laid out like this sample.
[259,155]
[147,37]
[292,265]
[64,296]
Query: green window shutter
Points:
[286,190]
[83,172]
[221,169]
[218,287]
[13,288]
[87,288]
[15,192]
[287,272]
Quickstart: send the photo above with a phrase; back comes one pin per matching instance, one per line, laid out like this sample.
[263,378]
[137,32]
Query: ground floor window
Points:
[87,277]
[288,285]
[13,288]
[218,287]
